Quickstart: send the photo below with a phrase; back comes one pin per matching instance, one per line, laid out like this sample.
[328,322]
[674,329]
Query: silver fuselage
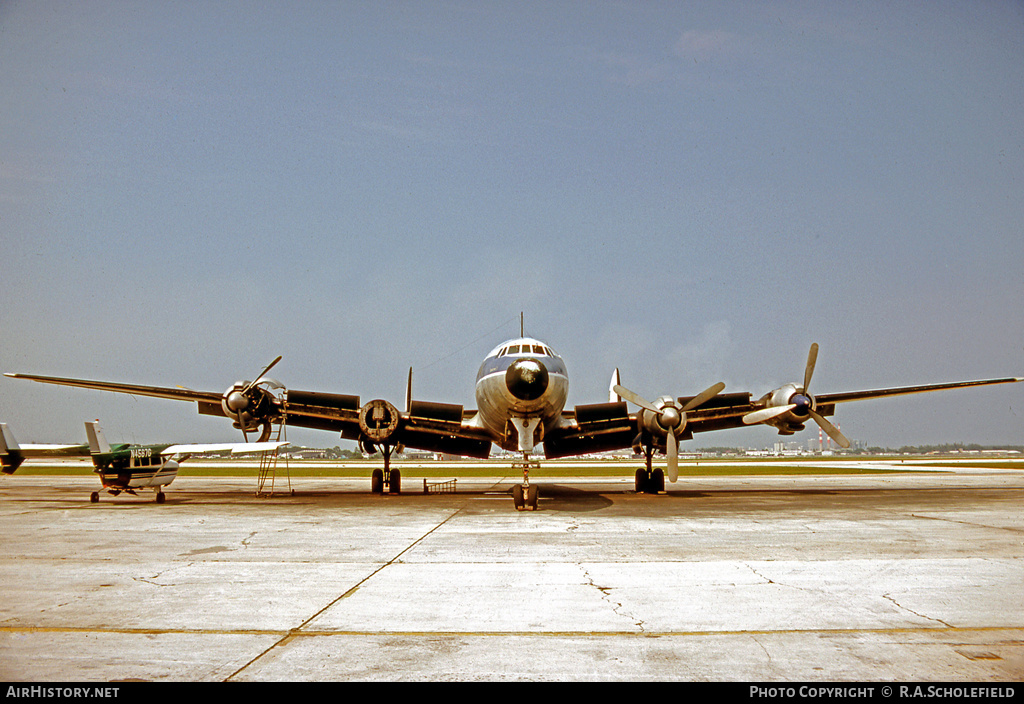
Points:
[521,380]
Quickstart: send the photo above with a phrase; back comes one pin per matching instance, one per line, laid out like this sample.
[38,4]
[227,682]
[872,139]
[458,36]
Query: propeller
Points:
[802,402]
[237,400]
[670,418]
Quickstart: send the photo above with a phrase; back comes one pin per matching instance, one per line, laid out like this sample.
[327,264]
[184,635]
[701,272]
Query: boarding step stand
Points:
[444,487]
[268,466]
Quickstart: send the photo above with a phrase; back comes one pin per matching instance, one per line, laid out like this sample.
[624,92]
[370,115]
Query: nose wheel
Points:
[525,495]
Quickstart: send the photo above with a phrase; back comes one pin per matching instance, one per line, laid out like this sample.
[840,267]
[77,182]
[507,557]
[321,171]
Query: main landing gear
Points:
[648,480]
[94,497]
[391,478]
[387,477]
[525,495]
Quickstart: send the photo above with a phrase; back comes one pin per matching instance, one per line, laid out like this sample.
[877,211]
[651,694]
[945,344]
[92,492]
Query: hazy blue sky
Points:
[689,191]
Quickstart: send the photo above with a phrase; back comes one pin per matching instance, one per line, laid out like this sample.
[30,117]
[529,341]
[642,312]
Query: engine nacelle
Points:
[657,425]
[378,421]
[251,406]
[793,420]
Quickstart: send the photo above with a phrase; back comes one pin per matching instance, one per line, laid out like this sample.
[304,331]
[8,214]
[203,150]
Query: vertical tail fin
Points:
[612,396]
[10,452]
[98,444]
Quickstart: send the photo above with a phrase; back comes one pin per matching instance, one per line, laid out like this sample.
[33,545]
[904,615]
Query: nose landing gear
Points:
[525,495]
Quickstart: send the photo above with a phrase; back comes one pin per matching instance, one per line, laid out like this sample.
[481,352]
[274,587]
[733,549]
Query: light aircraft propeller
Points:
[798,401]
[668,418]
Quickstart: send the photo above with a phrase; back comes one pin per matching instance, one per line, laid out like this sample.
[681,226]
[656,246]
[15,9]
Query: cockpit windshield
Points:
[528,347]
[539,350]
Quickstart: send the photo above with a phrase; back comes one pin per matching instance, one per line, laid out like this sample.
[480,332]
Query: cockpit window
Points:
[540,350]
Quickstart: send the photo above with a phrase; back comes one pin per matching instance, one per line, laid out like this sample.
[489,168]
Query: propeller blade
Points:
[638,400]
[672,450]
[704,396]
[263,373]
[812,359]
[241,426]
[755,417]
[833,431]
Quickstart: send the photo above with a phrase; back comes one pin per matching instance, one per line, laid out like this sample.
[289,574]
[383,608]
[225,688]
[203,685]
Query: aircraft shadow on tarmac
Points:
[560,497]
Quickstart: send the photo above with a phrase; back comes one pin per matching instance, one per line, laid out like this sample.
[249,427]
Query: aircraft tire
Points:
[160,497]
[395,482]
[531,497]
[517,497]
[94,497]
[657,483]
[377,481]
[642,481]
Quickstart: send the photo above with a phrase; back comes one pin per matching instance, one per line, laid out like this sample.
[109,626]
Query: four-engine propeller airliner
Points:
[521,392]
[122,467]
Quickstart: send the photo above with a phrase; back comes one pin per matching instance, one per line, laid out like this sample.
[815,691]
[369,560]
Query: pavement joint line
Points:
[297,631]
[291,634]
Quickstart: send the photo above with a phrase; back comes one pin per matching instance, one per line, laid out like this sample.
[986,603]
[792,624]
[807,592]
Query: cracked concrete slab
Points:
[744,578]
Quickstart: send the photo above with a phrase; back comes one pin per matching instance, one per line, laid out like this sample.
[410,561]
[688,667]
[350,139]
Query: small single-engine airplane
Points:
[521,391]
[121,467]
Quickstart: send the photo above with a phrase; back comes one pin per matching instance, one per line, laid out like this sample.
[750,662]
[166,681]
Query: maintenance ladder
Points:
[268,466]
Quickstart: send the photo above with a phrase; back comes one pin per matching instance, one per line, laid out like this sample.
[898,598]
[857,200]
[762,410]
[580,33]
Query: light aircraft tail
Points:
[10,452]
[98,444]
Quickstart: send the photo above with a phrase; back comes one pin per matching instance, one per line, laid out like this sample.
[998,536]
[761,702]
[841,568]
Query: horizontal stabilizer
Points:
[10,457]
[7,441]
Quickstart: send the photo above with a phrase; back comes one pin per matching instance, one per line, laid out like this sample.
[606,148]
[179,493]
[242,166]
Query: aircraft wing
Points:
[904,390]
[598,427]
[609,426]
[436,427]
[603,427]
[176,393]
[234,447]
[730,415]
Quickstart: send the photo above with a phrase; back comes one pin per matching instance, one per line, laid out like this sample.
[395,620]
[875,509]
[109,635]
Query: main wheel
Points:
[94,497]
[657,482]
[642,480]
[517,496]
[395,482]
[377,481]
